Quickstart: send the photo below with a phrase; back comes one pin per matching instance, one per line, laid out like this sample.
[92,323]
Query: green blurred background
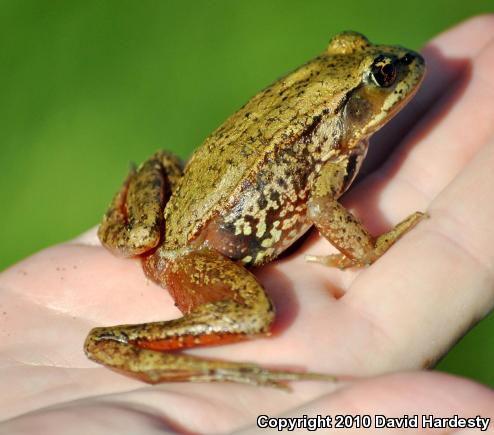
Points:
[88,86]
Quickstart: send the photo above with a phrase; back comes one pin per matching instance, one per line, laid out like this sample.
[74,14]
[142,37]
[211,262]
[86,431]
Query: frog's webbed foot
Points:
[156,367]
[222,303]
[343,230]
[133,222]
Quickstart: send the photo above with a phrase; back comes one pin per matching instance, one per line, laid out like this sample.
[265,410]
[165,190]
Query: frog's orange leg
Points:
[343,230]
[221,301]
[132,225]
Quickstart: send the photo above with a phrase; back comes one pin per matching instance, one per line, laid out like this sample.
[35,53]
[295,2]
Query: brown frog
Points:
[260,181]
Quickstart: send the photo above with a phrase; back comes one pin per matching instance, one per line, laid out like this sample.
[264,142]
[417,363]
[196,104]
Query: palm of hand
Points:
[402,313]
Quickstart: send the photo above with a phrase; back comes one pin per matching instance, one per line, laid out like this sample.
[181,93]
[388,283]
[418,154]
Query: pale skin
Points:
[402,313]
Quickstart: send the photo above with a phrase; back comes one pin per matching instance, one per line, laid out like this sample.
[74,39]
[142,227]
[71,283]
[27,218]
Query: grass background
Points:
[88,86]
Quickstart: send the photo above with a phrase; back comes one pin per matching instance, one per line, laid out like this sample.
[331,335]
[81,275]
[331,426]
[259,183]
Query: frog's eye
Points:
[383,71]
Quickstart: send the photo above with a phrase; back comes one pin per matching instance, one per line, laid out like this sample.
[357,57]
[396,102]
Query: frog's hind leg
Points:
[134,220]
[222,302]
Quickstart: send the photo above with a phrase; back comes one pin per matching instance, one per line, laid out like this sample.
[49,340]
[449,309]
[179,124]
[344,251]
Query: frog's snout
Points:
[412,56]
[413,61]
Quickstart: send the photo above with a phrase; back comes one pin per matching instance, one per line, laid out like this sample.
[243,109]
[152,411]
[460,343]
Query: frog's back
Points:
[277,116]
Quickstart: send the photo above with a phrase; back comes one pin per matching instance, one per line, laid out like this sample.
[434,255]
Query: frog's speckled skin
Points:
[272,170]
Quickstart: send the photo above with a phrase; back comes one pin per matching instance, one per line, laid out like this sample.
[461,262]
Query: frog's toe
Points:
[256,375]
[340,261]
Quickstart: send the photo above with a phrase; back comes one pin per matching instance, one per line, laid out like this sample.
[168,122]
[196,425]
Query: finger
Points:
[438,280]
[460,122]
[96,417]
[399,395]
[447,58]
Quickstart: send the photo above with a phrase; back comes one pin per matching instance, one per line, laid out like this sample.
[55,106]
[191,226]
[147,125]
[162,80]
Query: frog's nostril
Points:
[408,58]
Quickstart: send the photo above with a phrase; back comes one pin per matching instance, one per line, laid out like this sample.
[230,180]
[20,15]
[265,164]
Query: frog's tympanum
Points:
[259,182]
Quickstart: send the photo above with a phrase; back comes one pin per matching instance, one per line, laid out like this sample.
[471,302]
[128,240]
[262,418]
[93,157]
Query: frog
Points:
[273,170]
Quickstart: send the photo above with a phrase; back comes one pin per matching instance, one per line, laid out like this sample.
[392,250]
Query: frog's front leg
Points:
[343,230]
[221,302]
[133,222]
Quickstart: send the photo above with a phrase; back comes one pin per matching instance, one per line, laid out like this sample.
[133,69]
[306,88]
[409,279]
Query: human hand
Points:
[402,313]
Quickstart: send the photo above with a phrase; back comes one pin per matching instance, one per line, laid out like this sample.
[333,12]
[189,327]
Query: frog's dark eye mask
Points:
[384,69]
